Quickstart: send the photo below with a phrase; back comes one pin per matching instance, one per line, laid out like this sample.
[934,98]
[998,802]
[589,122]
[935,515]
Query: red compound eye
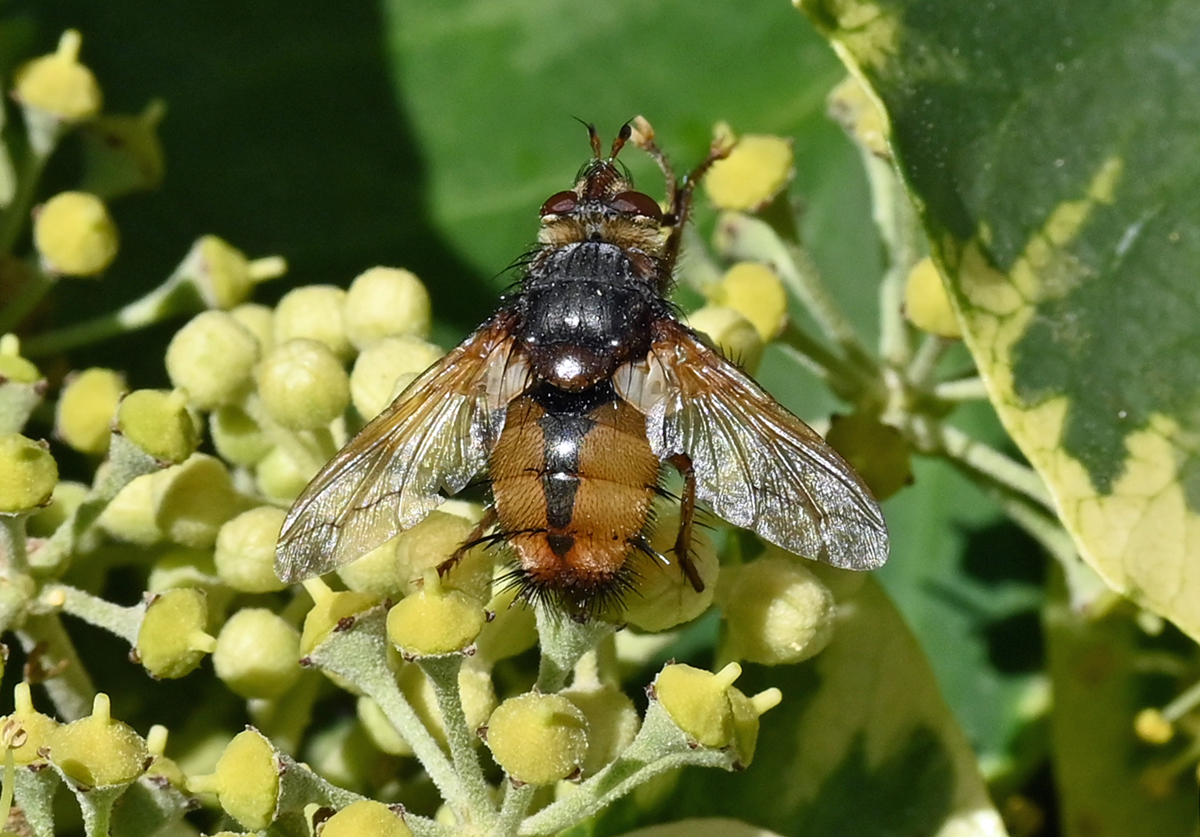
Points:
[560,203]
[637,203]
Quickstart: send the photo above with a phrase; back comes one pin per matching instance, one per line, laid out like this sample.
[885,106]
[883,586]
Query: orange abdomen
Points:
[573,478]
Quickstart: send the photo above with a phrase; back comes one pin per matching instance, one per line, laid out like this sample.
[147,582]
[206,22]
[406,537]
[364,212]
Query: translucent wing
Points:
[430,443]
[756,465]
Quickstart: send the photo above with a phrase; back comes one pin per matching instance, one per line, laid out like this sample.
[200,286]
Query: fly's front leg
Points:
[687,514]
[476,537]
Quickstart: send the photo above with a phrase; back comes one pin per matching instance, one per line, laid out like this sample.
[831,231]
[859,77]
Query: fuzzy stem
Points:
[70,689]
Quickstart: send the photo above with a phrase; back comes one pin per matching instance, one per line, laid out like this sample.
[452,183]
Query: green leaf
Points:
[862,744]
[1055,153]
[1109,782]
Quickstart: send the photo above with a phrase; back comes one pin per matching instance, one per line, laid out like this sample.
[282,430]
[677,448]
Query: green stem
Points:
[900,229]
[70,689]
[169,299]
[14,558]
[442,672]
[114,618]
[847,380]
[16,214]
[516,803]
[563,641]
[923,366]
[962,389]
[979,459]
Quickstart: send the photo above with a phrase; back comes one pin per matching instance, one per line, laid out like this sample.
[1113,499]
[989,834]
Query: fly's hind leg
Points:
[476,537]
[687,515]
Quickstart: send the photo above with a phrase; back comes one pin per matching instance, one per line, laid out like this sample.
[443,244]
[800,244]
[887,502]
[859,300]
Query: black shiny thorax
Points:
[585,309]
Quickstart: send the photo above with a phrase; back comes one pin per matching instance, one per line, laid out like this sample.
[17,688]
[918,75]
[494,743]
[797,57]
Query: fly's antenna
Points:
[619,141]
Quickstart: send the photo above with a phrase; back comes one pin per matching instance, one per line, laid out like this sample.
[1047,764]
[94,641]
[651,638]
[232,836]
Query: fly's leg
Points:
[476,537]
[687,515]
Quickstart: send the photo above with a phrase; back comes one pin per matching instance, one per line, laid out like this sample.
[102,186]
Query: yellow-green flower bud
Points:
[280,477]
[853,107]
[757,169]
[303,385]
[97,751]
[83,418]
[212,357]
[30,473]
[366,818]
[432,541]
[314,312]
[374,573]
[245,551]
[386,302]
[122,152]
[385,367]
[710,710]
[58,85]
[159,423]
[734,335]
[877,451]
[612,723]
[927,303]
[435,621]
[193,500]
[173,638]
[664,597]
[35,727]
[257,654]
[513,629]
[329,610]
[538,739]
[74,234]
[222,274]
[246,780]
[182,566]
[776,612]
[237,437]
[1152,726]
[64,500]
[131,515]
[260,321]
[756,292]
[13,367]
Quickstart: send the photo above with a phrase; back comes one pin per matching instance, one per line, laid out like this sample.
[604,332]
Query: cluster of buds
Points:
[189,486]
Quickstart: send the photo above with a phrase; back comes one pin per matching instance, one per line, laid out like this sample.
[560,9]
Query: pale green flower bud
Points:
[512,630]
[237,437]
[756,292]
[159,423]
[314,312]
[757,169]
[612,723]
[475,690]
[13,367]
[222,274]
[30,473]
[97,751]
[379,729]
[328,610]
[173,638]
[663,596]
[280,477]
[303,385]
[710,710]
[374,573]
[74,234]
[386,302]
[734,335]
[435,621]
[193,500]
[776,611]
[212,357]
[58,85]
[245,550]
[131,515]
[246,780]
[438,536]
[385,367]
[257,654]
[366,818]
[538,739]
[84,415]
[259,320]
[64,500]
